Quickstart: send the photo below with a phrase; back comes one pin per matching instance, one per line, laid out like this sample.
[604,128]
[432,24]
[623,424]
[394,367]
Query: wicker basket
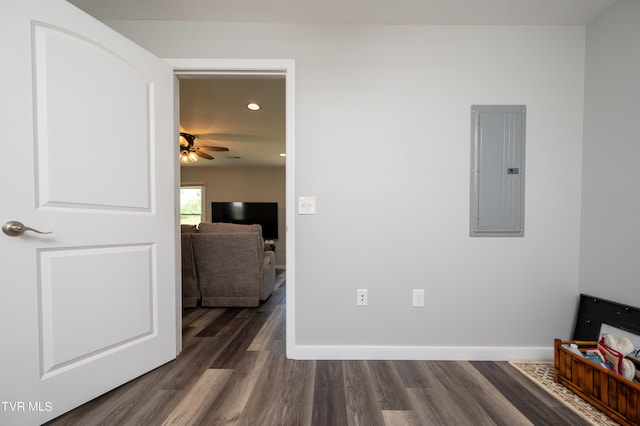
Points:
[609,392]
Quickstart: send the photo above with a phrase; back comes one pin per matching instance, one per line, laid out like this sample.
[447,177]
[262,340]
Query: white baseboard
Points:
[444,353]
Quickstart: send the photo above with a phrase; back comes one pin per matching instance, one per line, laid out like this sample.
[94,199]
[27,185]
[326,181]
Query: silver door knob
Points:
[13,228]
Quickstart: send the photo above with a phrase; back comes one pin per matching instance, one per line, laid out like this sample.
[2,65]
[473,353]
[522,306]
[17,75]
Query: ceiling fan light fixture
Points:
[191,153]
[187,157]
[253,106]
[192,156]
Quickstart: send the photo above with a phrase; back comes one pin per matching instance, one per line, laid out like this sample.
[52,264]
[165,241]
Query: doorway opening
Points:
[188,69]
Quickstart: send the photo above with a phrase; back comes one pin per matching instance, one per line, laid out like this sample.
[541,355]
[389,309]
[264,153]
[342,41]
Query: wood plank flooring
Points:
[233,371]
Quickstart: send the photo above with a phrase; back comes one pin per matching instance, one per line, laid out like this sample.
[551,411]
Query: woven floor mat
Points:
[541,372]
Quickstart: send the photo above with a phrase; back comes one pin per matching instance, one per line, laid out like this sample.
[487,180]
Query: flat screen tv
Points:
[248,213]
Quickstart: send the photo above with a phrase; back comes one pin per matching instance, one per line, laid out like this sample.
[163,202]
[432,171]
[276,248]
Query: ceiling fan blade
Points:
[211,148]
[203,155]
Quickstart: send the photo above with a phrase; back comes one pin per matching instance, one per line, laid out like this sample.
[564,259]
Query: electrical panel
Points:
[497,170]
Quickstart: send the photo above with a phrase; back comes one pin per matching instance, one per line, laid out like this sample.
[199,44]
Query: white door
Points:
[87,152]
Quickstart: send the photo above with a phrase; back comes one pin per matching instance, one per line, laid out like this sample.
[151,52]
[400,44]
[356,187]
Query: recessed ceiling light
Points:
[253,106]
[283,155]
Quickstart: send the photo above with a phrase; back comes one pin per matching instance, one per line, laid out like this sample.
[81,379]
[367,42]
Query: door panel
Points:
[88,153]
[110,280]
[67,70]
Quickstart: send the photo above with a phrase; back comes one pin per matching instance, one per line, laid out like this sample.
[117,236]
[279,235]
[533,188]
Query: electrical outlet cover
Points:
[418,298]
[363,298]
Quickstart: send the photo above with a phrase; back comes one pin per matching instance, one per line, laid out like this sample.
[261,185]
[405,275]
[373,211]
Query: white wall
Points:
[266,184]
[382,139]
[610,247]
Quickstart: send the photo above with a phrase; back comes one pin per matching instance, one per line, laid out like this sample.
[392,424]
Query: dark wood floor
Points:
[233,370]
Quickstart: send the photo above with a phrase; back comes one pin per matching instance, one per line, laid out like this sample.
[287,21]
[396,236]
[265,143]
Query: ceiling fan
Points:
[189,151]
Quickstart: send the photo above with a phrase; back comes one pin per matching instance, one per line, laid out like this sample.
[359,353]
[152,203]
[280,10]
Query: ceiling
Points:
[216,109]
[420,12]
[257,138]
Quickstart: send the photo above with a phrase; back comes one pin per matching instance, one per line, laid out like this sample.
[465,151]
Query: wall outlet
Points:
[363,298]
[418,298]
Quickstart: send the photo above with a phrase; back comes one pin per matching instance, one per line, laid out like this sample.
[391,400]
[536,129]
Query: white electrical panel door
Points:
[497,170]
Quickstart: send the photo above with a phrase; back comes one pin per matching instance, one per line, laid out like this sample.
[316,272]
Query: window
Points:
[191,202]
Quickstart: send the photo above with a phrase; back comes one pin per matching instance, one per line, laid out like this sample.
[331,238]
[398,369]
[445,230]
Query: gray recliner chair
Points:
[232,267]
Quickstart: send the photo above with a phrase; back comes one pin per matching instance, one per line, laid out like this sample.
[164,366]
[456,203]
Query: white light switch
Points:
[307,205]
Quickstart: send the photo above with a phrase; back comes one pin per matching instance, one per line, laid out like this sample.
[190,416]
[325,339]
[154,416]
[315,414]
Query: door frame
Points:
[255,67]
